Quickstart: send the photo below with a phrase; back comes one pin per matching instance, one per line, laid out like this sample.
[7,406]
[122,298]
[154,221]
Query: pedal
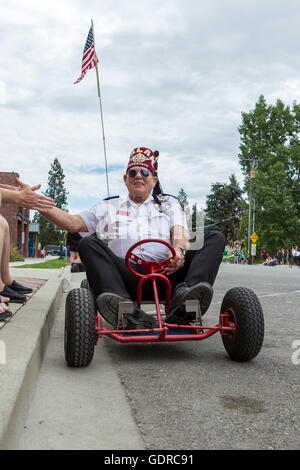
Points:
[124,307]
[193,306]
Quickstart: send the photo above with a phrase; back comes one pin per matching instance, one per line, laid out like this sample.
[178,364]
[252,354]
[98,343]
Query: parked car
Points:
[54,250]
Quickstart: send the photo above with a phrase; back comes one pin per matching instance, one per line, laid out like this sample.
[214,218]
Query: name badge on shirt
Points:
[126,213]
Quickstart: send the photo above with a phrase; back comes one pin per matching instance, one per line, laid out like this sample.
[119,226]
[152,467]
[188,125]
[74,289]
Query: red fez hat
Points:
[141,156]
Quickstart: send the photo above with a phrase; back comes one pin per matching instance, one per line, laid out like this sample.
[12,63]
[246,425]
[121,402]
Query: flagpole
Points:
[101,112]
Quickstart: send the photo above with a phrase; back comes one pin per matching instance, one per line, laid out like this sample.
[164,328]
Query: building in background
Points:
[17,217]
[34,248]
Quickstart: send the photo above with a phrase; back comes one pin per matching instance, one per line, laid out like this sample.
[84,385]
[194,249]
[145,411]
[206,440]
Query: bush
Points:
[14,254]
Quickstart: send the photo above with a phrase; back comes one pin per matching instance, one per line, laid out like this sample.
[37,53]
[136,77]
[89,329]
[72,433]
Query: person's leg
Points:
[72,257]
[196,278]
[105,271]
[111,282]
[5,278]
[9,287]
[68,256]
[78,260]
[204,264]
[4,313]
[2,238]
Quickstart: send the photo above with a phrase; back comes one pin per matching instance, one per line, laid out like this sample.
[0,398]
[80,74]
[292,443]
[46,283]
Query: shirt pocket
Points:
[121,226]
[159,225]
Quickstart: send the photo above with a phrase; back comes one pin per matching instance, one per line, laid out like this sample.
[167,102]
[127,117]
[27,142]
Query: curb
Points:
[25,339]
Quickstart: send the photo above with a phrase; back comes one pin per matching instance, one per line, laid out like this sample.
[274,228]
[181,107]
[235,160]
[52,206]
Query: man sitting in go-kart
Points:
[146,212]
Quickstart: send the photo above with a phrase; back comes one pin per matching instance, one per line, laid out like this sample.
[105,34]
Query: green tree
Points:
[49,233]
[270,138]
[224,206]
[182,199]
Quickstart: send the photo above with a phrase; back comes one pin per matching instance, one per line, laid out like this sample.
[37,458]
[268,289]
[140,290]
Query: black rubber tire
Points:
[79,340]
[85,285]
[247,314]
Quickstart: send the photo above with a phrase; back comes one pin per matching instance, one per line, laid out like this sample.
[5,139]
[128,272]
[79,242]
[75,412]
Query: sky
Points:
[174,76]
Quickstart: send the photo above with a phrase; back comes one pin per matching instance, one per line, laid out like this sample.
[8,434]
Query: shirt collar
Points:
[132,203]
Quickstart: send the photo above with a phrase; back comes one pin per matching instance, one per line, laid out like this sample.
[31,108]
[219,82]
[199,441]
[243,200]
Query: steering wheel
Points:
[148,266]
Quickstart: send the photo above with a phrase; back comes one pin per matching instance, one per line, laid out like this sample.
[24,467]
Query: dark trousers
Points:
[106,272]
[297,261]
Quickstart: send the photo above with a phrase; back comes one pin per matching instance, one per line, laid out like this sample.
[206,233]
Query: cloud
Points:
[174,76]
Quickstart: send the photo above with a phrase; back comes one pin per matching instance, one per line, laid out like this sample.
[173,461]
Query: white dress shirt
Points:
[121,222]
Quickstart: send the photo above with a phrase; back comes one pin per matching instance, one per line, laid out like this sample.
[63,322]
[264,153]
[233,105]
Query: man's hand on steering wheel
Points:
[176,263]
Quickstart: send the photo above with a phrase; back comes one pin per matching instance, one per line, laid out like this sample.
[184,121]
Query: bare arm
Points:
[179,237]
[70,222]
[25,196]
[179,240]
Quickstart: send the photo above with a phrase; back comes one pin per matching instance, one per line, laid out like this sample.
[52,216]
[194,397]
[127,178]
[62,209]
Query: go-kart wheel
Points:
[79,340]
[246,315]
[85,285]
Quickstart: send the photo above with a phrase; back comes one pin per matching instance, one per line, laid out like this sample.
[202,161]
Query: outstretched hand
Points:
[27,197]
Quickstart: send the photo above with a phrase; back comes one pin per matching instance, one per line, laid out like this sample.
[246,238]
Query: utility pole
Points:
[253,162]
[252,176]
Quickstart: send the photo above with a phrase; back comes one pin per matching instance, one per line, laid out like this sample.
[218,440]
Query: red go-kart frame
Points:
[164,331]
[241,320]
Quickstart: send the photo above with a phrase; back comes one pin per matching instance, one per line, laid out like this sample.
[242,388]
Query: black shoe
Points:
[14,296]
[108,306]
[5,316]
[17,287]
[138,320]
[75,268]
[176,311]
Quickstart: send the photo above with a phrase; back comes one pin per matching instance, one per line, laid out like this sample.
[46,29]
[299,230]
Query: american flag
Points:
[89,59]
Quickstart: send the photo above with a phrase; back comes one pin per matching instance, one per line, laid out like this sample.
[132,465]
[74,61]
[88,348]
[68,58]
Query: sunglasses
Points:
[144,172]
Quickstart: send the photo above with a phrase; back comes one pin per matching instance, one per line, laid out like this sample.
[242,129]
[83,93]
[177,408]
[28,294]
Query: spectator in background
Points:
[73,240]
[286,256]
[270,261]
[279,256]
[242,258]
[236,255]
[296,256]
[264,255]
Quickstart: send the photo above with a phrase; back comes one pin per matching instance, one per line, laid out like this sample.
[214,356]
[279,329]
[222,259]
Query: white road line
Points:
[276,294]
[279,293]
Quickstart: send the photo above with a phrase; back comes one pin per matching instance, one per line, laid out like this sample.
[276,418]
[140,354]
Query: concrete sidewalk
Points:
[23,340]
[29,374]
[78,408]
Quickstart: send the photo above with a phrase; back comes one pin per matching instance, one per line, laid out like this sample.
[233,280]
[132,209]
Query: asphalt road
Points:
[192,396]
[181,396]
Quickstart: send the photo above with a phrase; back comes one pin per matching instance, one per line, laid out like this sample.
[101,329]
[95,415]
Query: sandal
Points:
[5,316]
